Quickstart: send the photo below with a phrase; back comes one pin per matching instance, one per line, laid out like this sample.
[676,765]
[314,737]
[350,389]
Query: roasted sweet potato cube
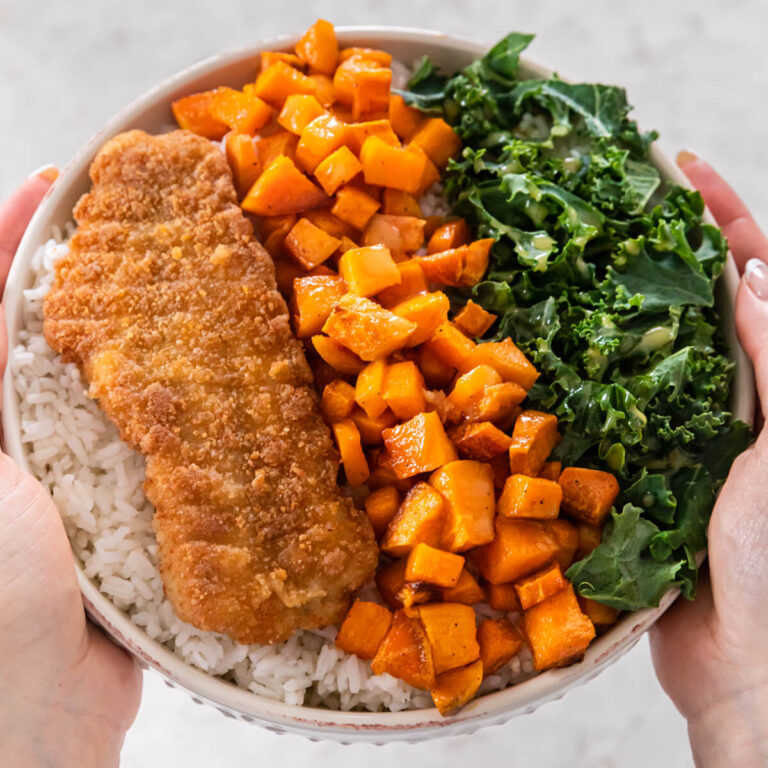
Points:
[313,299]
[419,520]
[357,133]
[451,346]
[282,188]
[338,400]
[430,175]
[418,445]
[500,469]
[404,390]
[323,135]
[389,581]
[588,494]
[271,147]
[337,355]
[457,687]
[276,83]
[534,497]
[557,630]
[428,310]
[370,93]
[241,112]
[243,161]
[503,597]
[405,120]
[390,166]
[401,234]
[268,58]
[416,592]
[467,487]
[449,235]
[369,388]
[446,267]
[433,566]
[551,470]
[369,270]
[406,653]
[451,630]
[519,547]
[507,359]
[434,369]
[438,140]
[476,262]
[412,283]
[533,438]
[363,629]
[600,615]
[480,440]
[339,168]
[466,591]
[473,319]
[399,203]
[309,245]
[540,585]
[274,230]
[366,328]
[299,110]
[499,642]
[372,427]
[324,90]
[330,224]
[382,58]
[469,387]
[351,451]
[381,506]
[497,403]
[567,537]
[193,113]
[438,401]
[318,47]
[354,206]
[589,539]
[346,78]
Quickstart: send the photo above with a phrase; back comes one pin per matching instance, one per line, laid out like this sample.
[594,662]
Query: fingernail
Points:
[48,172]
[685,156]
[756,277]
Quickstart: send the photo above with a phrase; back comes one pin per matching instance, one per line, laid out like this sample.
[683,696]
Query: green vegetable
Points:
[605,277]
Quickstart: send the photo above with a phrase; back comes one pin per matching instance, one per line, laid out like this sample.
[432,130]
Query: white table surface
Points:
[695,69]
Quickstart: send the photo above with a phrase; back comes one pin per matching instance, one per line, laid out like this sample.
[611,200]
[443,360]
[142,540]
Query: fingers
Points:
[752,323]
[15,214]
[745,237]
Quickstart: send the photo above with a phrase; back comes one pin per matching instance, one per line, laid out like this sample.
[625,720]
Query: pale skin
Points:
[75,694]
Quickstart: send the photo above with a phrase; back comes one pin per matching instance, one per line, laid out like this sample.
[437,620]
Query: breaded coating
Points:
[169,305]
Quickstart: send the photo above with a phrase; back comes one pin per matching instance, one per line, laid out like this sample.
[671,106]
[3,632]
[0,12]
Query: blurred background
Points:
[696,71]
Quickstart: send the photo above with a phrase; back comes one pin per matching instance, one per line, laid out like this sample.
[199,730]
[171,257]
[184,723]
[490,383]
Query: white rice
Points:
[96,481]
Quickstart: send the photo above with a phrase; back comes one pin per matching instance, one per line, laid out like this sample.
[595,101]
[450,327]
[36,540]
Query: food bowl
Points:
[152,113]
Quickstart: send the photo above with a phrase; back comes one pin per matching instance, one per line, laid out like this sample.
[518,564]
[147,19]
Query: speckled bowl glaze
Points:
[152,113]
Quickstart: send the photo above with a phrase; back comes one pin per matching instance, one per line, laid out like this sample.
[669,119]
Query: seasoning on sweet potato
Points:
[519,547]
[338,400]
[389,580]
[193,113]
[480,440]
[313,299]
[268,148]
[466,591]
[243,161]
[351,451]
[337,355]
[557,630]
[503,597]
[532,497]
[438,140]
[467,487]
[318,47]
[497,403]
[455,688]
[419,520]
[282,188]
[567,537]
[404,390]
[588,494]
[339,168]
[406,652]
[473,319]
[276,83]
[369,388]
[323,135]
[589,539]
[363,629]
[451,630]
[412,283]
[372,427]
[390,166]
[452,234]
[369,270]
[405,120]
[469,387]
[418,445]
[540,585]
[354,206]
[533,438]
[416,592]
[309,245]
[451,346]
[499,642]
[381,506]
[241,112]
[433,566]
[600,615]
[401,234]
[299,110]
[357,133]
[428,310]
[508,360]
[551,470]
[445,267]
[399,203]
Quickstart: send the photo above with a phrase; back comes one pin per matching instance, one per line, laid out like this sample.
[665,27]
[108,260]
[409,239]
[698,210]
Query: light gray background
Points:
[696,71]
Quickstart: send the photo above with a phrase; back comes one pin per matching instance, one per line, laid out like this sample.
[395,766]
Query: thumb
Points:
[752,322]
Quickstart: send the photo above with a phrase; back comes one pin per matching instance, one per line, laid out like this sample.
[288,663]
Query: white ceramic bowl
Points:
[152,113]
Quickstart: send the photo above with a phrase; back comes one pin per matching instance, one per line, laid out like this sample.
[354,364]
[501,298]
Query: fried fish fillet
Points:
[169,306]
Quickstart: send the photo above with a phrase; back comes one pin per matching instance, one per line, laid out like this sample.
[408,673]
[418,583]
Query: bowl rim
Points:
[319,722]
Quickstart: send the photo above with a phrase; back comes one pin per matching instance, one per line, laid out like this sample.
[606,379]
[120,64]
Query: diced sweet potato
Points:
[276,83]
[503,597]
[363,629]
[351,451]
[412,283]
[390,166]
[447,236]
[357,133]
[473,319]
[313,299]
[323,218]
[588,494]
[354,206]
[481,441]
[382,58]
[318,47]
[427,310]
[507,359]
[451,630]
[540,585]
[286,271]
[433,566]
[346,78]
[416,592]
[268,58]
[405,120]
[282,188]
[370,93]
[269,148]
[497,403]
[438,140]
[309,245]
[389,581]
[457,687]
[372,427]
[369,270]
[381,506]
[339,168]
[193,113]
[241,112]
[567,537]
[399,203]
[466,591]
[419,520]
[430,175]
[469,387]
[325,93]
[337,355]
[338,400]
[347,245]
[476,262]
[323,135]
[369,388]
[274,230]
[467,487]
[243,161]
[367,329]
[533,438]
[404,390]
[418,445]
[533,497]
[500,468]
[557,631]
[406,652]
[299,110]
[589,539]
[519,547]
[438,401]
[600,615]
[401,234]
[446,267]
[451,346]
[551,470]
[499,643]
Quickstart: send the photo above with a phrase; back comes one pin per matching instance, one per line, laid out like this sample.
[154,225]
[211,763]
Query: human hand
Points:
[710,655]
[68,694]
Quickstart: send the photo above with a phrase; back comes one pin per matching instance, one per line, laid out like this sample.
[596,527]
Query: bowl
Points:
[151,112]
